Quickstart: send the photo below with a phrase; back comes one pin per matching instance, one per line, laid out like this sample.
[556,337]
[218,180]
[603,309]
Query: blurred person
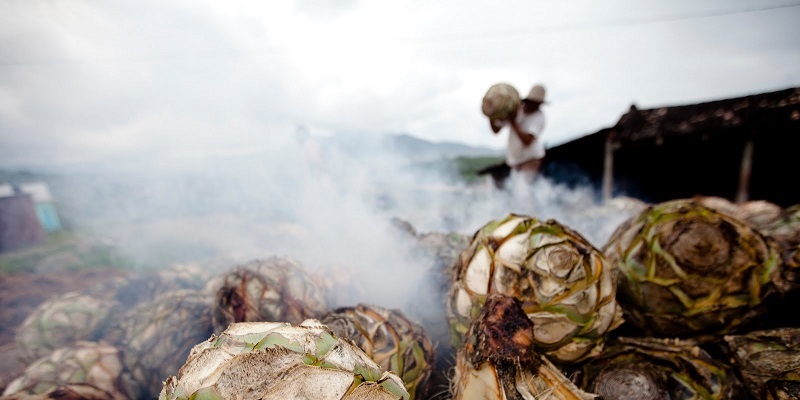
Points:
[313,158]
[525,152]
[316,167]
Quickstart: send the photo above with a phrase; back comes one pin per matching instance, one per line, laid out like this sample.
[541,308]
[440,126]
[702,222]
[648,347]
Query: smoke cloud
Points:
[311,200]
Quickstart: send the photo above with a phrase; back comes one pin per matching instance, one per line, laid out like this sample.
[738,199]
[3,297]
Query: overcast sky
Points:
[95,81]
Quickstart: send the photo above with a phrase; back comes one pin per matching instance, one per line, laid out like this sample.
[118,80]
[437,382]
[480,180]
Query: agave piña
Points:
[391,339]
[685,269]
[500,102]
[786,231]
[81,370]
[277,289]
[564,283]
[652,369]
[60,321]
[275,360]
[769,361]
[147,285]
[156,337]
[756,213]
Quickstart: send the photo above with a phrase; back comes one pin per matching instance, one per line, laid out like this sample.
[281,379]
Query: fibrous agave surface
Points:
[684,269]
[564,284]
[272,360]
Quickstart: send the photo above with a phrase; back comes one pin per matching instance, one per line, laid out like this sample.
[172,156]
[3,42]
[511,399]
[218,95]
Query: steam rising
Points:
[310,200]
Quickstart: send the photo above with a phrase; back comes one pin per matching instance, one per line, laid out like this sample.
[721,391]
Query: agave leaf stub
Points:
[563,282]
[260,360]
[498,361]
[685,268]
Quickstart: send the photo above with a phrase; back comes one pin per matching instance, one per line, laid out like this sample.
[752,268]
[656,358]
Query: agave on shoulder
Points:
[276,360]
[564,284]
[500,102]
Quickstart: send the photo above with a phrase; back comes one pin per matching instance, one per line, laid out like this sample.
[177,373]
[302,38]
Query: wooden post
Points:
[742,193]
[608,167]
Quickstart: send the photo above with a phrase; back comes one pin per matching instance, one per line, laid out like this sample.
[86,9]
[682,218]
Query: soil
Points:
[22,292]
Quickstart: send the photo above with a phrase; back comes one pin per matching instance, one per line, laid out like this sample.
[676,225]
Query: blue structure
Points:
[48,217]
[45,205]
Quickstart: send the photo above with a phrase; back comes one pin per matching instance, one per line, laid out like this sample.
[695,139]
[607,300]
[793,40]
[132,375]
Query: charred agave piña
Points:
[277,289]
[388,337]
[564,283]
[273,360]
[651,369]
[769,362]
[686,269]
[498,362]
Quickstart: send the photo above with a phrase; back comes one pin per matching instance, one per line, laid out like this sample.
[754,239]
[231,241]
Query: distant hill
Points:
[404,147]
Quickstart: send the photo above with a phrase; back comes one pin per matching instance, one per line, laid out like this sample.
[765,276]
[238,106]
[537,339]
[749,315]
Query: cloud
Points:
[78,79]
[323,8]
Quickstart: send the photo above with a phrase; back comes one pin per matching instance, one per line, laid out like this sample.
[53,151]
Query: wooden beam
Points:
[608,167]
[742,193]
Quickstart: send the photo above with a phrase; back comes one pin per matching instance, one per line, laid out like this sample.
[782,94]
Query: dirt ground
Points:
[22,292]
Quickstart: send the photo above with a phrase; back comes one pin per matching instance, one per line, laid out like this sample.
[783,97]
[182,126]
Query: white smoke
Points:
[329,209]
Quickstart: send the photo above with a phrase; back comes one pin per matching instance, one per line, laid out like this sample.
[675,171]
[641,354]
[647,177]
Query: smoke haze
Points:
[325,208]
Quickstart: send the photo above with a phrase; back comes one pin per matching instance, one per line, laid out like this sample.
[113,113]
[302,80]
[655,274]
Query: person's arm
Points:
[526,137]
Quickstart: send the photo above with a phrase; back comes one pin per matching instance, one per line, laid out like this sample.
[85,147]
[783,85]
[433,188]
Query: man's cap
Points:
[536,94]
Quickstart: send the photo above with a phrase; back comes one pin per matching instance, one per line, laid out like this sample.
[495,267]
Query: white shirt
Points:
[518,153]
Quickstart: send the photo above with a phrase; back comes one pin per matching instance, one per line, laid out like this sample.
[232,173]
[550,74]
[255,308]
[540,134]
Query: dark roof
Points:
[760,110]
